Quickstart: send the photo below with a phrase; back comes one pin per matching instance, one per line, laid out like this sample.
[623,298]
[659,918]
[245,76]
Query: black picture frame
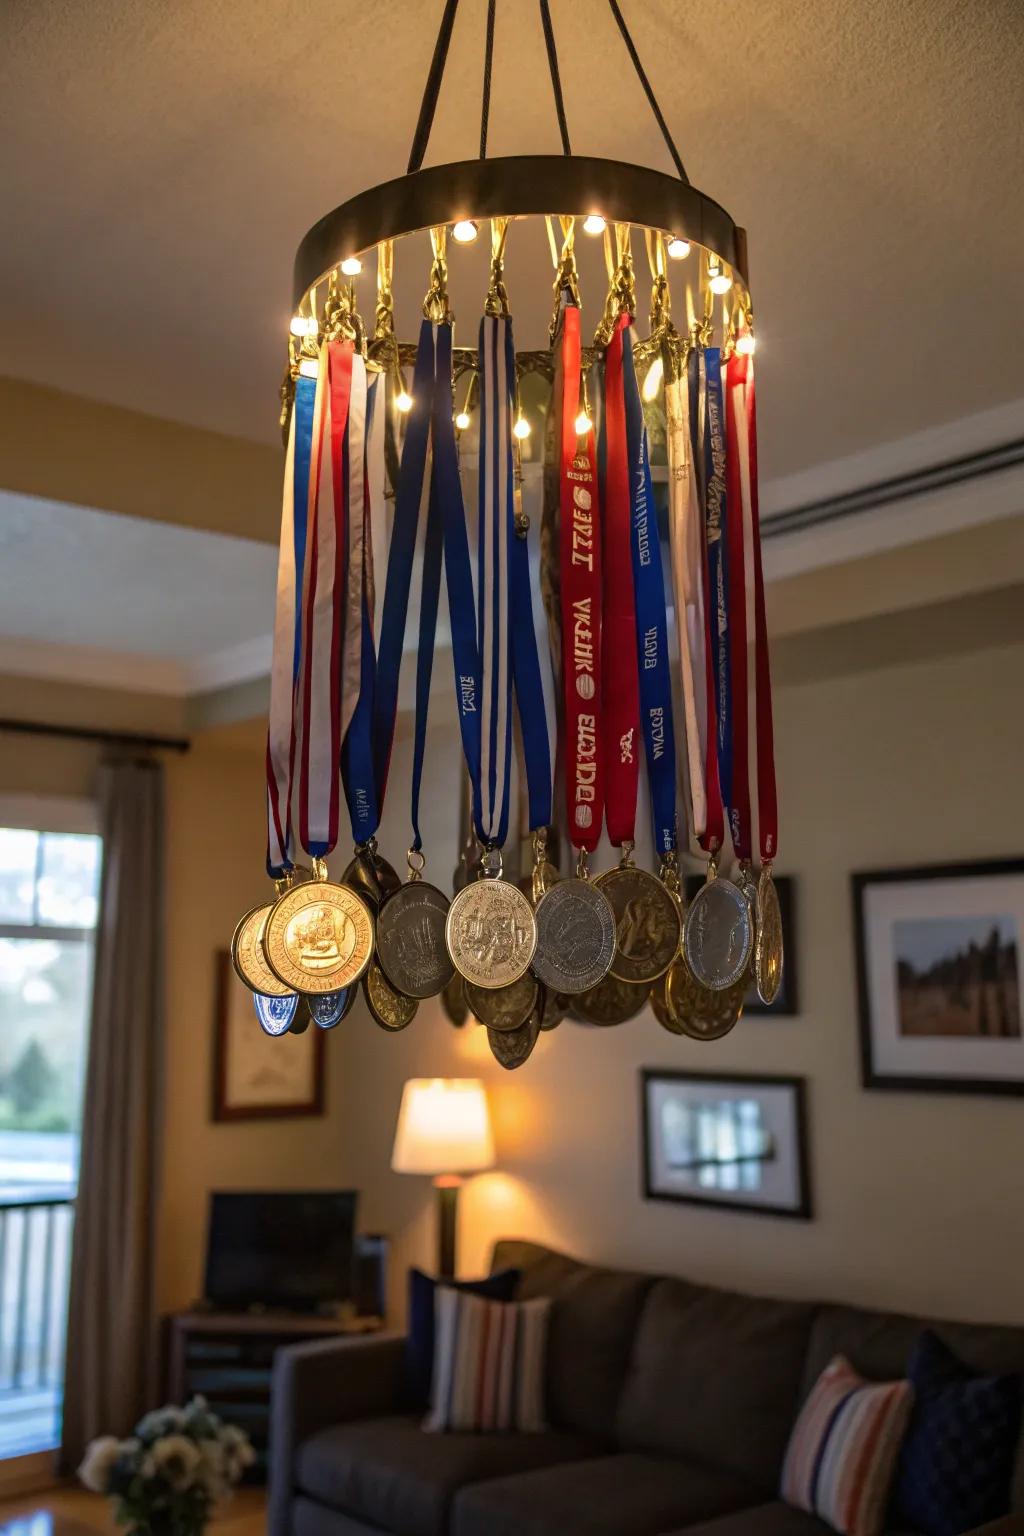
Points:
[786,1004]
[872,1078]
[802,1207]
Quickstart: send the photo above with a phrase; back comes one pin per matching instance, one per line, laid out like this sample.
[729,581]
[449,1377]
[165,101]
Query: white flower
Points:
[98,1463]
[162,1421]
[176,1460]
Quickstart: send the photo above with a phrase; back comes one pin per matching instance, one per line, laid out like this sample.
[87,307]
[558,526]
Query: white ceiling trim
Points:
[94,667]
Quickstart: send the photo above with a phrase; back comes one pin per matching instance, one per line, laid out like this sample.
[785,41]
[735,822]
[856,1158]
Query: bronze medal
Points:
[453,1001]
[503,1008]
[769,957]
[319,937]
[370,874]
[551,1008]
[646,923]
[611,1002]
[247,955]
[411,946]
[388,1008]
[697,1011]
[511,1048]
[491,932]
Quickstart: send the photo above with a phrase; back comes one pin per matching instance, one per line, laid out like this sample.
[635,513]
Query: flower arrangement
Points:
[166,1477]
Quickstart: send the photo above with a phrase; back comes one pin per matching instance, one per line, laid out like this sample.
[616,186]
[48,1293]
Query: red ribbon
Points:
[737,600]
[618,638]
[767,796]
[580,591]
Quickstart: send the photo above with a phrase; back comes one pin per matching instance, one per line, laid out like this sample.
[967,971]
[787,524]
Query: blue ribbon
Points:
[718,566]
[651,621]
[495,524]
[305,395]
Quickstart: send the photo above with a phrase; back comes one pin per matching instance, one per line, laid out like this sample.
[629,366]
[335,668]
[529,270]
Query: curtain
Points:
[111,1363]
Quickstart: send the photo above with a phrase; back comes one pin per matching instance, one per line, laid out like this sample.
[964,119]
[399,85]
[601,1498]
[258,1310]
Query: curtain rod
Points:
[84,733]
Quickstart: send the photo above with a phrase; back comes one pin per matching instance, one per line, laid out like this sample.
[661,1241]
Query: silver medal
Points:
[575,937]
[719,934]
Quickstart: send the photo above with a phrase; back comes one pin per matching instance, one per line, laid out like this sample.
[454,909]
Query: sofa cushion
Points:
[590,1335]
[716,1376]
[879,1345]
[775,1519]
[388,1472]
[310,1518]
[419,1345]
[623,1495]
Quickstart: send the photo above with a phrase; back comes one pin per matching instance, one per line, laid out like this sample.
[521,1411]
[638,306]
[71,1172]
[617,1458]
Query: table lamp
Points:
[444,1130]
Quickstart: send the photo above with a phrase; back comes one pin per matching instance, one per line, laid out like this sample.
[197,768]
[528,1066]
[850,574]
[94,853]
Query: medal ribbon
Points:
[767,797]
[581,603]
[494,539]
[621,704]
[737,528]
[357,764]
[687,550]
[715,513]
[288,630]
[655,676]
[696,383]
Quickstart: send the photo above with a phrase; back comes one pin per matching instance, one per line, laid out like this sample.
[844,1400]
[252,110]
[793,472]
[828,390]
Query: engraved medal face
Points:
[275,1013]
[411,946]
[247,955]
[510,1048]
[491,933]
[611,1002]
[646,923]
[769,957]
[697,1011]
[319,937]
[389,1008]
[719,935]
[503,1008]
[329,1008]
[575,937]
[453,1001]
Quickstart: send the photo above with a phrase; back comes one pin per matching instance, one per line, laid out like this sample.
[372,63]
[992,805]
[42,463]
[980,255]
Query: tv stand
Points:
[228,1358]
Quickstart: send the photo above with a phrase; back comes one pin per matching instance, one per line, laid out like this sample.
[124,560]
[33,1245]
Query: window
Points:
[49,901]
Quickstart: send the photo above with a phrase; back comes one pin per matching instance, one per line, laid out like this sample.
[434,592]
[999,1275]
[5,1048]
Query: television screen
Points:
[282,1249]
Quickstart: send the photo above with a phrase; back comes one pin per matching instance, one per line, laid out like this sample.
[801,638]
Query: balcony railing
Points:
[35,1264]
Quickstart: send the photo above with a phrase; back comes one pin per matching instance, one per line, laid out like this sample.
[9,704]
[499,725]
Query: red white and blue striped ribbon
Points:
[496,511]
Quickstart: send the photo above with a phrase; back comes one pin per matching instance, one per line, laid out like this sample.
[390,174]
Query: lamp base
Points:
[447,1187]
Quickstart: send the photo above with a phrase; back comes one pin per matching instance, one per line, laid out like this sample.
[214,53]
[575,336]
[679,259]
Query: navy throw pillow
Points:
[419,1348]
[957,1460]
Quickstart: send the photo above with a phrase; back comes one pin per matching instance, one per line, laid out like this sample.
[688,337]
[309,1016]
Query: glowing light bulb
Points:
[351,266]
[654,377]
[718,281]
[309,368]
[745,344]
[464,231]
[462,421]
[297,326]
[522,427]
[403,401]
[583,424]
[678,248]
[593,224]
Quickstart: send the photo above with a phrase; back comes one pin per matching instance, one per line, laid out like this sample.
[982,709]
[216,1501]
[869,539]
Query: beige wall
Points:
[918,1197]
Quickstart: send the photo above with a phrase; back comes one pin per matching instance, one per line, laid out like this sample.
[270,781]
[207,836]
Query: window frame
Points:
[50,814]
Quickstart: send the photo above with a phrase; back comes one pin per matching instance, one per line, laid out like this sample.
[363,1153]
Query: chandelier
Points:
[404,463]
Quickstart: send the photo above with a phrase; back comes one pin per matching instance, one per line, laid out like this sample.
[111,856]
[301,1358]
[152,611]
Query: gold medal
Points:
[391,1009]
[647,924]
[503,1008]
[769,956]
[688,1008]
[247,955]
[370,875]
[319,936]
[611,1002]
[511,1048]
[491,931]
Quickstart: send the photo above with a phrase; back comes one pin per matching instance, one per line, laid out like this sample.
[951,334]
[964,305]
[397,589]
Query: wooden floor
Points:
[73,1512]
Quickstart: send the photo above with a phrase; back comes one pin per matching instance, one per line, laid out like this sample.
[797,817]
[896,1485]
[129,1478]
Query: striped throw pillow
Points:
[842,1453]
[488,1363]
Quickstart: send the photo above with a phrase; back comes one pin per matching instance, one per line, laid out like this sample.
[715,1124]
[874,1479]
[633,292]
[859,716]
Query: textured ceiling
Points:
[161,161]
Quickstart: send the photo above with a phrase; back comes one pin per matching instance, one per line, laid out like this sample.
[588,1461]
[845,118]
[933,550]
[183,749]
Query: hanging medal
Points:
[319,936]
[491,932]
[742,421]
[634,645]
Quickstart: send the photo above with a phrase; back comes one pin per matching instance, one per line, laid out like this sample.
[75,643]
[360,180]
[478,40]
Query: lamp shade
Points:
[443,1127]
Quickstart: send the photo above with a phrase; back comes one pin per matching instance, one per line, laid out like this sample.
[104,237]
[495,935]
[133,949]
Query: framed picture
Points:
[726,1140]
[256,1077]
[786,1003]
[938,977]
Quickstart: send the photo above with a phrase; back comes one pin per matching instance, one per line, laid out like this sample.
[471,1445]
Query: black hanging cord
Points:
[647,90]
[485,106]
[428,106]
[556,82]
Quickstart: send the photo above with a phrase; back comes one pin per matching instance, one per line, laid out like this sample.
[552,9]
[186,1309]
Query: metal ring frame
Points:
[517,186]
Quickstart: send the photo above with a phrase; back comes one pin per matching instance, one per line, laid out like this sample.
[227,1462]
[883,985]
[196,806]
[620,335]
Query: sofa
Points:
[669,1403]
